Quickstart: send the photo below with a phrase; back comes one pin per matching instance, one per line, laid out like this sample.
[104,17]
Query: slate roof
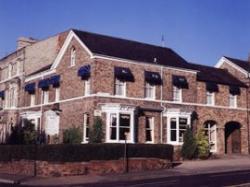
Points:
[131,50]
[241,63]
[216,75]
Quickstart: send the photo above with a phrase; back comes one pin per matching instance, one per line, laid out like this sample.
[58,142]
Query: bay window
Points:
[85,128]
[149,130]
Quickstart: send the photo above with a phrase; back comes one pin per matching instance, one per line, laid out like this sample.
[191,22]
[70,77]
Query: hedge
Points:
[83,152]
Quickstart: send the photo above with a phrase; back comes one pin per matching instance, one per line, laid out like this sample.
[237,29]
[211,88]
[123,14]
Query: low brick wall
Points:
[56,169]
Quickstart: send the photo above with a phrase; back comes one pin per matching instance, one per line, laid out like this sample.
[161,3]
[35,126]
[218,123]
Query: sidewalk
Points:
[232,163]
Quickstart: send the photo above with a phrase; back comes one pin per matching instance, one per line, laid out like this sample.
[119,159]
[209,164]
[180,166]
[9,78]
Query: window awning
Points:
[55,81]
[212,87]
[2,94]
[84,72]
[153,78]
[43,84]
[180,81]
[30,88]
[124,74]
[234,90]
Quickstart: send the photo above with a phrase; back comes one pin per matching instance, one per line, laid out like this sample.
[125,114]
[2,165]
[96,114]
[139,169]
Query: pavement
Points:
[196,167]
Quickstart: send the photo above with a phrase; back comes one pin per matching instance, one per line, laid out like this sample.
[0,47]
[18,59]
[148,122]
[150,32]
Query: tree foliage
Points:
[203,149]
[96,132]
[189,146]
[72,136]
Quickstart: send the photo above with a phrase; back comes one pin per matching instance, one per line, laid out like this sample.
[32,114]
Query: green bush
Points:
[72,136]
[189,146]
[96,132]
[202,145]
[83,152]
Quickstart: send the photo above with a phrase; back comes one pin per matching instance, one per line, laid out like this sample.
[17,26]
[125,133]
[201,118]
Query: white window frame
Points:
[87,87]
[32,99]
[72,57]
[210,95]
[45,97]
[85,128]
[212,128]
[116,109]
[122,85]
[177,116]
[57,94]
[232,101]
[177,92]
[149,88]
[151,128]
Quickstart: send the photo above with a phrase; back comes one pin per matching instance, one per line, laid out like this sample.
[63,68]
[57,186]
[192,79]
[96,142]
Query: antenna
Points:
[162,41]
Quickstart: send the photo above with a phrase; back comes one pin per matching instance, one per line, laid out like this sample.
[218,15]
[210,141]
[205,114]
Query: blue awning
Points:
[2,94]
[124,74]
[212,87]
[30,88]
[234,90]
[84,72]
[153,78]
[55,81]
[180,81]
[43,84]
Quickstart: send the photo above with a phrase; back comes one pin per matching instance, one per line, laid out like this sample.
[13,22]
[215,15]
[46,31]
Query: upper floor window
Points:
[73,57]
[233,92]
[10,70]
[177,94]
[120,87]
[149,91]
[32,99]
[210,98]
[87,87]
[211,89]
[45,97]
[149,130]
[232,101]
[57,94]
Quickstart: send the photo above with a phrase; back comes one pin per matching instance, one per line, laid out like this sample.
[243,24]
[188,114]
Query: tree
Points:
[72,136]
[96,132]
[189,146]
[202,145]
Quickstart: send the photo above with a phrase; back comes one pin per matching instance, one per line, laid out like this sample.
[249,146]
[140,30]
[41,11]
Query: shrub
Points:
[202,145]
[96,132]
[83,152]
[72,136]
[189,146]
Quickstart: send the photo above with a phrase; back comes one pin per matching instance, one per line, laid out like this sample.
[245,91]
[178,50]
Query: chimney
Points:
[23,42]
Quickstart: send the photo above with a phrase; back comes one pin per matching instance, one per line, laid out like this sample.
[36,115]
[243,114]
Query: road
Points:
[238,178]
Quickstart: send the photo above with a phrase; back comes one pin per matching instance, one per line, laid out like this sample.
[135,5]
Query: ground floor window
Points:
[85,128]
[120,127]
[176,127]
[210,132]
[149,130]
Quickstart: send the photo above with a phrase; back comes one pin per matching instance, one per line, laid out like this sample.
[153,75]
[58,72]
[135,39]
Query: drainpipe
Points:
[164,108]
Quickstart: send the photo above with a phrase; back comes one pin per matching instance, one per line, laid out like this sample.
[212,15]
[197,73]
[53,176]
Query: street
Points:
[236,178]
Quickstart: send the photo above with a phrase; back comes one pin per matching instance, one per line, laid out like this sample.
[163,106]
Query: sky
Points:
[201,31]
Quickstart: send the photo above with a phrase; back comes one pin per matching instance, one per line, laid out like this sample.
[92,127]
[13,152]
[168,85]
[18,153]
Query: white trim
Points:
[8,79]
[152,129]
[142,63]
[225,60]
[39,75]
[235,104]
[62,51]
[180,94]
[133,98]
[85,139]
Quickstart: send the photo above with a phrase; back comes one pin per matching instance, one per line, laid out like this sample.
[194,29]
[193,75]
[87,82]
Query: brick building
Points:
[148,92]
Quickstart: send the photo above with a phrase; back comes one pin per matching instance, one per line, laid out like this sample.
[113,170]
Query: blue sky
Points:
[199,30]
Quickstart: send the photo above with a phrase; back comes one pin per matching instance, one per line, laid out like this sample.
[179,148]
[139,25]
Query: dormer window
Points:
[73,57]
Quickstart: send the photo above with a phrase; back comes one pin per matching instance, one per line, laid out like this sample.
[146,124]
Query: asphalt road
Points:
[239,178]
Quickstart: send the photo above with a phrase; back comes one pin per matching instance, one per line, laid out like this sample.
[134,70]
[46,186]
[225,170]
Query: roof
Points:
[216,75]
[244,64]
[45,68]
[131,50]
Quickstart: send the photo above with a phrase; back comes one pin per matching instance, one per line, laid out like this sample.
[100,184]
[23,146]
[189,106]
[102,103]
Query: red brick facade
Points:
[167,114]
